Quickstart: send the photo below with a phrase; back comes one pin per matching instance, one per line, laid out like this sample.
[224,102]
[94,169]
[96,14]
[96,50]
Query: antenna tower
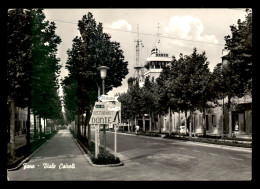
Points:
[139,72]
[158,39]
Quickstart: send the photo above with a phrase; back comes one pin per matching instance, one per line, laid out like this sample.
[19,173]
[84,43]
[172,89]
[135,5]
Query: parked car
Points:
[182,129]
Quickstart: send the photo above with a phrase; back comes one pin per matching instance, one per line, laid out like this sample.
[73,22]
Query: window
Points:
[152,65]
[214,120]
[157,65]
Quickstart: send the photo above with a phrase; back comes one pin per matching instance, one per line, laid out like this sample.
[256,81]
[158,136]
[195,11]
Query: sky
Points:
[180,30]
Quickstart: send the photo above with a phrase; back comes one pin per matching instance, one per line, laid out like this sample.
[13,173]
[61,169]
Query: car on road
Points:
[182,129]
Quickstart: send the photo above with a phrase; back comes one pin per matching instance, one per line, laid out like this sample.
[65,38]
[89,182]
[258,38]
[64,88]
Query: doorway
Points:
[238,117]
[207,122]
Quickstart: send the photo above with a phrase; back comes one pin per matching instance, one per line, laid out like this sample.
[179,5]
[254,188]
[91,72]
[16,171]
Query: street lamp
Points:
[103,74]
[223,61]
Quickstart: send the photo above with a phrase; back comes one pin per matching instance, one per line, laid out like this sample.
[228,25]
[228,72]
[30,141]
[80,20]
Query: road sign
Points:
[100,106]
[105,113]
[106,98]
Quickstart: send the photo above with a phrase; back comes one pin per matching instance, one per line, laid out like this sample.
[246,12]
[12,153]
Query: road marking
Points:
[196,151]
[183,148]
[236,158]
[213,154]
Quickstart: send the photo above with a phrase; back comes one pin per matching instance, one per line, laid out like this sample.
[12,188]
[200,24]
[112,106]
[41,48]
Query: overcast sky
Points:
[194,26]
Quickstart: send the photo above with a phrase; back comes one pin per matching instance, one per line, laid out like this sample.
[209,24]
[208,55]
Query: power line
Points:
[146,34]
[143,33]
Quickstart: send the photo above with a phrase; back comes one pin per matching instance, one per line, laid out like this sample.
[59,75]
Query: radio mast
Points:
[139,72]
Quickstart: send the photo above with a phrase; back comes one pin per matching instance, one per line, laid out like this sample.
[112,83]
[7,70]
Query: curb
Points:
[90,161]
[221,146]
[29,157]
[197,143]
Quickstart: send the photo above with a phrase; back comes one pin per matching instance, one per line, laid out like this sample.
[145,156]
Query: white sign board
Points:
[105,113]
[106,98]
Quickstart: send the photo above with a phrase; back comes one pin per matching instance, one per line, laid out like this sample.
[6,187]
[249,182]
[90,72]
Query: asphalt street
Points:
[181,160]
[144,158]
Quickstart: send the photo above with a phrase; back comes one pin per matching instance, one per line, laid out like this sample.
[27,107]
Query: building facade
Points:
[216,121]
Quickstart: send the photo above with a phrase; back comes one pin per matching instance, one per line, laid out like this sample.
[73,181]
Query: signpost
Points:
[106,98]
[108,112]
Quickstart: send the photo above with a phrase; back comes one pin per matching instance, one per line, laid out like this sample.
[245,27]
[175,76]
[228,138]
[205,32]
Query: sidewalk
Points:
[19,142]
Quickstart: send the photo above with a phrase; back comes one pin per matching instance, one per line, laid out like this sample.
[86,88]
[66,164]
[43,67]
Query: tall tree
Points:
[32,63]
[150,100]
[94,49]
[45,66]
[238,69]
[239,45]
[126,112]
[70,82]
[18,64]
[188,84]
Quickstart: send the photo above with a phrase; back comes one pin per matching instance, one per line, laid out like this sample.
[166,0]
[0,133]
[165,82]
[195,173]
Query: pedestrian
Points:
[136,129]
[236,126]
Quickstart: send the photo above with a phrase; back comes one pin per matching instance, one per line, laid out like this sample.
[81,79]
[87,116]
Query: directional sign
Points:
[106,98]
[105,113]
[100,106]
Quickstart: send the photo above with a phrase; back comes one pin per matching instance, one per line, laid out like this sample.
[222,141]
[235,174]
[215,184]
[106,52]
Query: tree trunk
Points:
[35,132]
[128,122]
[78,126]
[40,127]
[12,130]
[150,122]
[44,119]
[170,120]
[186,121]
[194,124]
[88,125]
[135,122]
[203,123]
[89,135]
[174,122]
[191,113]
[85,127]
[179,121]
[82,125]
[153,122]
[132,123]
[28,127]
[159,123]
[144,124]
[230,118]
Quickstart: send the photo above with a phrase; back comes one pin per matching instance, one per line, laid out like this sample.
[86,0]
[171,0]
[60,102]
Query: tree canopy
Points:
[93,48]
[239,57]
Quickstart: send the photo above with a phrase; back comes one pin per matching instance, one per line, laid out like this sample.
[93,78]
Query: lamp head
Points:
[103,71]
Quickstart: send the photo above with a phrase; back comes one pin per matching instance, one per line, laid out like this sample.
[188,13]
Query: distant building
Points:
[155,63]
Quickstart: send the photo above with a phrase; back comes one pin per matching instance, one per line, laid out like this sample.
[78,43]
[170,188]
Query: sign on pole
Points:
[106,113]
[106,98]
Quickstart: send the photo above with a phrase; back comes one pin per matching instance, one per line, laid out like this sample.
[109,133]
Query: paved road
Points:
[166,159]
[144,159]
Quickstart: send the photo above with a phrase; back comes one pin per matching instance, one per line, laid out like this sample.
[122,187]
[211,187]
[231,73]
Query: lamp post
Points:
[223,97]
[103,74]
